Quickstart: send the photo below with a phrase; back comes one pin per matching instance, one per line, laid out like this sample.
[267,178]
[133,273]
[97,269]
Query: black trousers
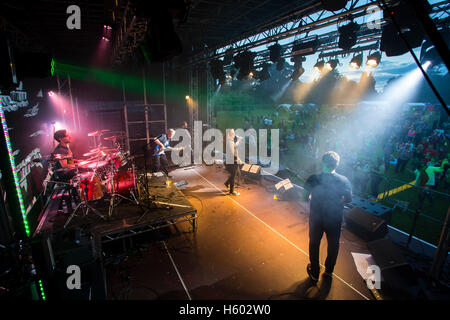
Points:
[159,163]
[318,225]
[233,170]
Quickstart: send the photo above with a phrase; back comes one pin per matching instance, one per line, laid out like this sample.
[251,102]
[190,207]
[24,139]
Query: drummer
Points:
[63,138]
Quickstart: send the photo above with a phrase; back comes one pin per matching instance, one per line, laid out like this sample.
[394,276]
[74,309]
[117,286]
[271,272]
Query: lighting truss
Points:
[303,22]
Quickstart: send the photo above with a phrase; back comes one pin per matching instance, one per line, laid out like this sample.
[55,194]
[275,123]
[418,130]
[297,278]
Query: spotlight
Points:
[250,74]
[373,59]
[318,67]
[187,97]
[356,61]
[105,39]
[51,93]
[275,52]
[298,71]
[228,58]
[264,74]
[244,62]
[348,36]
[333,5]
[217,70]
[428,53]
[332,64]
[280,64]
[107,27]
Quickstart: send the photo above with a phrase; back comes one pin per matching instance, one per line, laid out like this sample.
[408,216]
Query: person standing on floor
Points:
[232,165]
[328,192]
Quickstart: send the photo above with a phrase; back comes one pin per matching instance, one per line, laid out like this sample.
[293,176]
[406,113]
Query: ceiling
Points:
[41,25]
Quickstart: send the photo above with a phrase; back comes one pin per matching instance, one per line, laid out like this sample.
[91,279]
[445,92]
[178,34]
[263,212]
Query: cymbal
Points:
[97,164]
[97,133]
[92,153]
[110,138]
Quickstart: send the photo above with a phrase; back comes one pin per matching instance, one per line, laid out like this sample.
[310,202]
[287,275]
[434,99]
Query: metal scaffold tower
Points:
[141,130]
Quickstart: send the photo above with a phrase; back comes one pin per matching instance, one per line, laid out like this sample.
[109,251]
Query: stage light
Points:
[333,5]
[105,39]
[305,48]
[187,97]
[250,74]
[264,74]
[107,27]
[429,53]
[348,36]
[51,93]
[318,67]
[298,71]
[244,62]
[331,64]
[275,52]
[280,64]
[216,67]
[228,58]
[373,60]
[356,61]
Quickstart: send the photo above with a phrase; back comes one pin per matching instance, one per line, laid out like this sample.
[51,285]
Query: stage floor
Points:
[246,247]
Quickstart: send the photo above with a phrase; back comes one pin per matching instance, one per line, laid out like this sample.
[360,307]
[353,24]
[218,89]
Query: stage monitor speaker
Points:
[365,225]
[372,207]
[395,269]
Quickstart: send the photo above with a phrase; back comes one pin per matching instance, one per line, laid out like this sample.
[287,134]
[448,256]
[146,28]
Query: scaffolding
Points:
[132,133]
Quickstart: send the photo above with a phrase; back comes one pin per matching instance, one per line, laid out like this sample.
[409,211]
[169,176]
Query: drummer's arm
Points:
[64,164]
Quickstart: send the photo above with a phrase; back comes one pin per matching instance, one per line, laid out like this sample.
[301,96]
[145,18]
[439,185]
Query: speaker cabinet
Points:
[365,225]
[397,272]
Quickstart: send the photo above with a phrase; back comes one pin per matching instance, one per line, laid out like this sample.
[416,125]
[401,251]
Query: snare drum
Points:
[93,184]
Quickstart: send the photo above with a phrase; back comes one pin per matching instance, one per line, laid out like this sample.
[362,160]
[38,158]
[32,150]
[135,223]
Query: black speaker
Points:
[54,253]
[395,269]
[365,225]
[372,207]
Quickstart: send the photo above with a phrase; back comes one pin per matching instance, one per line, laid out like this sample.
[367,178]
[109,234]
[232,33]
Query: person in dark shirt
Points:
[158,157]
[328,192]
[63,139]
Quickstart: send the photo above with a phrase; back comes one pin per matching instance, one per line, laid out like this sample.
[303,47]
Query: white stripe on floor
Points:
[176,269]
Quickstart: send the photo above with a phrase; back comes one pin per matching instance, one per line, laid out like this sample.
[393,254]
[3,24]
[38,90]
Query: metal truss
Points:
[130,35]
[135,230]
[301,24]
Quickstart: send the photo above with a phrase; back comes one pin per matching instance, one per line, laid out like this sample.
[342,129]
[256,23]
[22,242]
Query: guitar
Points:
[170,149]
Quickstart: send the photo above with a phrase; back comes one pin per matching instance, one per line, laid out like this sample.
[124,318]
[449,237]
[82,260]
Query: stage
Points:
[167,206]
[246,247]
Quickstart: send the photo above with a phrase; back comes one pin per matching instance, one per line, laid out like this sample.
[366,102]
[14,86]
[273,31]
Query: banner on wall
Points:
[30,133]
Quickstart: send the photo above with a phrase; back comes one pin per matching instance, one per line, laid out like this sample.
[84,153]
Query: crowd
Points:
[415,143]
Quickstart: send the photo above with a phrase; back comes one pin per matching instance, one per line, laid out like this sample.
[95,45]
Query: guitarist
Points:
[157,154]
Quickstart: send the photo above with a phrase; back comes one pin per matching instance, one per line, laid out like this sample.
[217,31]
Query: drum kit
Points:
[107,174]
